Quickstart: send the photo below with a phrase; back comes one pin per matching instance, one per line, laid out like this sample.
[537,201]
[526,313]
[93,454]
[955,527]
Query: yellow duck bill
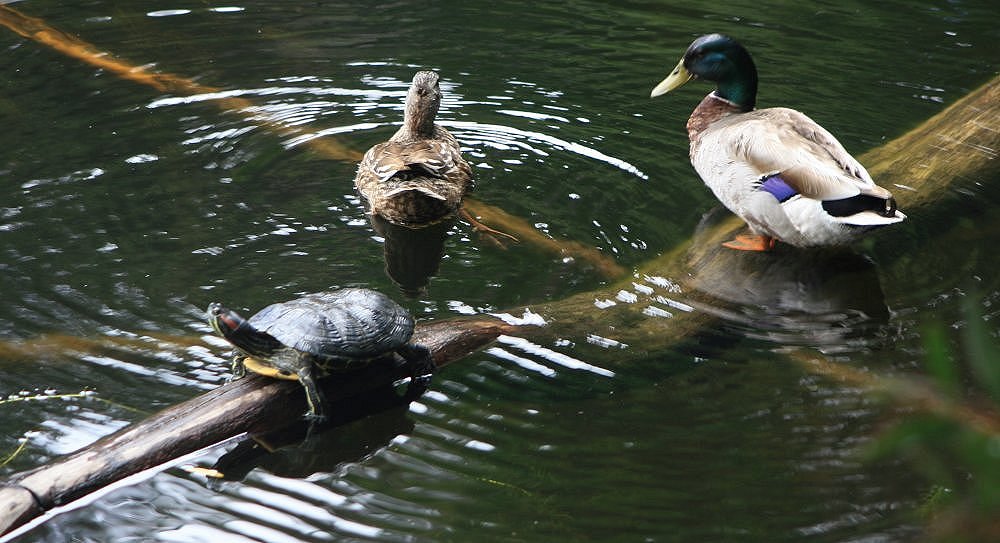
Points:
[677,77]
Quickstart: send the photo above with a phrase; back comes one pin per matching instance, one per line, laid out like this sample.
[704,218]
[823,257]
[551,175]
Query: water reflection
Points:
[412,255]
[301,449]
[826,298]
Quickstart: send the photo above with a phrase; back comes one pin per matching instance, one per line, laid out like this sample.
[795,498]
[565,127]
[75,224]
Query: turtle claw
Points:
[417,387]
[314,418]
[423,381]
[422,368]
[314,423]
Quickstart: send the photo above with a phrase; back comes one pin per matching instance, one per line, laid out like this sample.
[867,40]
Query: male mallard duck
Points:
[782,173]
[419,175]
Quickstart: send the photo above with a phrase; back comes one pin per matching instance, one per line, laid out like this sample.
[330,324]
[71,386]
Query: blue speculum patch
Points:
[778,188]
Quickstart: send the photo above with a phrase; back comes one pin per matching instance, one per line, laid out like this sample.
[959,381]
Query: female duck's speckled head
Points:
[422,102]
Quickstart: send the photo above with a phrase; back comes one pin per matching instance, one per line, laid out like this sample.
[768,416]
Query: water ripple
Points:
[492,134]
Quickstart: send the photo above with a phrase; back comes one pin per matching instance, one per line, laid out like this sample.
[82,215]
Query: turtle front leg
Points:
[291,362]
[422,368]
[314,397]
[238,369]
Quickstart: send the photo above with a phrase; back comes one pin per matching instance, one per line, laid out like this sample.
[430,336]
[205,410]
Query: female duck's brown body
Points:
[418,176]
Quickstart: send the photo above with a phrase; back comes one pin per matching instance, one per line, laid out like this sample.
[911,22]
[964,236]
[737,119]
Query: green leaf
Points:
[938,359]
[983,354]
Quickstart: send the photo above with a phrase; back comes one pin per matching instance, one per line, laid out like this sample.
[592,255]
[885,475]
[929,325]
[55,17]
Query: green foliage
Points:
[938,360]
[952,436]
[983,352]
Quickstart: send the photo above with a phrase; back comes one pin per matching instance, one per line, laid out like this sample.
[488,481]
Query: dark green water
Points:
[125,211]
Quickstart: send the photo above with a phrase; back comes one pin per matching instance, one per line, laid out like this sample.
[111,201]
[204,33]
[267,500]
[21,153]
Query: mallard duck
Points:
[780,171]
[418,176]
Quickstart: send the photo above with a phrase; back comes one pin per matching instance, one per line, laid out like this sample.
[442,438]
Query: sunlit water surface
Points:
[126,210]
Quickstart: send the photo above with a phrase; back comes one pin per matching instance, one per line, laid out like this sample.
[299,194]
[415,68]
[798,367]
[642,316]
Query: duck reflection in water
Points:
[824,298]
[412,255]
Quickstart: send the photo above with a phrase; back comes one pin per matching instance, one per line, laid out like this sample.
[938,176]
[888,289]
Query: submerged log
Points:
[327,147]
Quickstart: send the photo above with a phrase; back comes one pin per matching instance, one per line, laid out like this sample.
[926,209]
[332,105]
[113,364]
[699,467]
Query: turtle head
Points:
[226,322]
[717,58]
[238,331]
[422,102]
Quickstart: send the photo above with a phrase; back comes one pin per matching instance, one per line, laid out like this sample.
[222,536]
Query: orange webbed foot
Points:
[751,242]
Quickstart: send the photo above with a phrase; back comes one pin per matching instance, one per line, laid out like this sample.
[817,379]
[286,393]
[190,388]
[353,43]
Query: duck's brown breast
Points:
[710,110]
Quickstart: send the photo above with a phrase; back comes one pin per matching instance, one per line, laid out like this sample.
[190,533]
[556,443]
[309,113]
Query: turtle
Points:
[321,333]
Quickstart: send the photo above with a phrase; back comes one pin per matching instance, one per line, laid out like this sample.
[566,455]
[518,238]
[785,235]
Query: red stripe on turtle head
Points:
[223,318]
[229,321]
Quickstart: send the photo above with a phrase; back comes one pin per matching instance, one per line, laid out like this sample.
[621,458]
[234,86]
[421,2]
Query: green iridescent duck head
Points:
[721,59]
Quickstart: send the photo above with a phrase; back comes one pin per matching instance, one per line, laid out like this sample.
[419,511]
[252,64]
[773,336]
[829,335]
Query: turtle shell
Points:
[351,323]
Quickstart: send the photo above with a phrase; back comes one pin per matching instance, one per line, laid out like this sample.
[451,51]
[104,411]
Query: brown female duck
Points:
[418,176]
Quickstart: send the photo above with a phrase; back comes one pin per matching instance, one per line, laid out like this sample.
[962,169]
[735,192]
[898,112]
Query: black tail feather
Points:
[846,207]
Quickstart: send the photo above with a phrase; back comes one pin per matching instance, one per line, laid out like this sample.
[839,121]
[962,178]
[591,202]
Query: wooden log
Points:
[17,507]
[251,405]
